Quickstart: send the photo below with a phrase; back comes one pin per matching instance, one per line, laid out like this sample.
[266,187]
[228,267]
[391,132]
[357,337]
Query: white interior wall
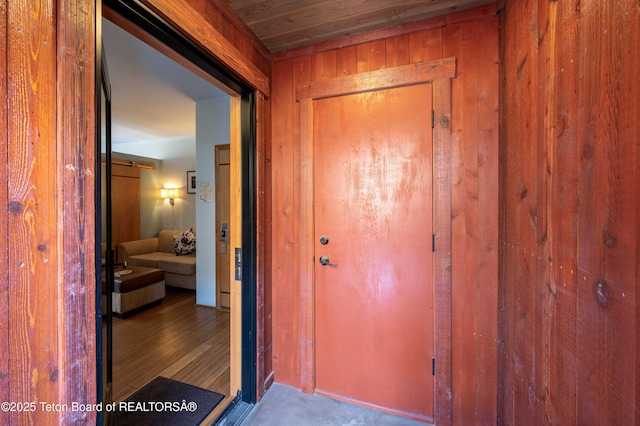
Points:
[212,128]
[174,175]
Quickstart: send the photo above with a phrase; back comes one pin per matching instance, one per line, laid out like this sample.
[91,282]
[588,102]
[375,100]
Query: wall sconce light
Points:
[171,194]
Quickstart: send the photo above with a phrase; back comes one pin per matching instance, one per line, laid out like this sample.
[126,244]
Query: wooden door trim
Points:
[439,73]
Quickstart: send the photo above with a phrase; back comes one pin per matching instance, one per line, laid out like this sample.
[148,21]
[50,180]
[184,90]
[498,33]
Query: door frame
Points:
[136,16]
[439,73]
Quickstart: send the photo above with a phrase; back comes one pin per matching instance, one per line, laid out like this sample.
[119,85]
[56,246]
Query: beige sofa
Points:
[158,252]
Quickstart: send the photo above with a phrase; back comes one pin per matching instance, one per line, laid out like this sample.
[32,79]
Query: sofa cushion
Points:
[133,248]
[183,265]
[149,260]
[185,242]
[169,262]
[165,240]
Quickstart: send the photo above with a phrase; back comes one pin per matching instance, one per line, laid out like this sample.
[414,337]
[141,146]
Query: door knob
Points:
[324,260]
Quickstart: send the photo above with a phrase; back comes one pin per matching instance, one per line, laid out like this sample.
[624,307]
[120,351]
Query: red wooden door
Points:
[373,202]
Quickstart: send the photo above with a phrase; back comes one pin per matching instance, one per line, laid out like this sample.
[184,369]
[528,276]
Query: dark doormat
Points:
[162,402]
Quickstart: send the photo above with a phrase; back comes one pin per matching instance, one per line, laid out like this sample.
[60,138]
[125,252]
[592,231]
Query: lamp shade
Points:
[170,193]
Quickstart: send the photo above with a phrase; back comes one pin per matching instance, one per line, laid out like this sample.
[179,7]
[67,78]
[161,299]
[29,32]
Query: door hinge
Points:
[433,243]
[433,118]
[433,366]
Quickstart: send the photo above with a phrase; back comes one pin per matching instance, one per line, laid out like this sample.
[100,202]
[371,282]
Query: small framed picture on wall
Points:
[191,182]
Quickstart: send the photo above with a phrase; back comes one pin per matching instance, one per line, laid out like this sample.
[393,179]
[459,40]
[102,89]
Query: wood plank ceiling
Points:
[286,24]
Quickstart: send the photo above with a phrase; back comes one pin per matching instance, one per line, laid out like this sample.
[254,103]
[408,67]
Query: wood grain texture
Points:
[263,278]
[474,234]
[569,231]
[4,218]
[516,322]
[35,275]
[265,208]
[305,254]
[48,294]
[464,214]
[607,337]
[302,22]
[417,27]
[285,364]
[50,191]
[194,24]
[187,342]
[220,16]
[235,241]
[442,268]
[375,80]
[487,182]
[75,182]
[481,100]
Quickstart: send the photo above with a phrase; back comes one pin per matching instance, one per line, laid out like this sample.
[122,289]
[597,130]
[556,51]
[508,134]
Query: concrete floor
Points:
[282,405]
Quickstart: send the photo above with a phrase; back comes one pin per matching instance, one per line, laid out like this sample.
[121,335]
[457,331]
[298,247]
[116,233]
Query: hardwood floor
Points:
[175,339]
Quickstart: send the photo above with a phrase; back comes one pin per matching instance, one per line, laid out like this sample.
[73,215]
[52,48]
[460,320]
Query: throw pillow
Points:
[184,242]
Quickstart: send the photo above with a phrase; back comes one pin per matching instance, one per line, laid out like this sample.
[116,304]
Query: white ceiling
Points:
[153,98]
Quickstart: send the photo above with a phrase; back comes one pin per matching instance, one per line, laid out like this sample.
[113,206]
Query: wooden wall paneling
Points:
[545,226]
[76,171]
[568,66]
[184,17]
[285,360]
[557,205]
[323,65]
[504,414]
[397,51]
[4,218]
[219,15]
[607,302]
[306,254]
[301,73]
[263,309]
[260,235]
[519,232]
[266,247]
[35,341]
[487,269]
[371,56]
[462,41]
[248,39]
[474,219]
[437,22]
[425,45]
[347,60]
[519,238]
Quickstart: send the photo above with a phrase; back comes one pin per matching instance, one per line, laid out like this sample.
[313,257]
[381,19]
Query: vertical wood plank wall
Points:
[472,37]
[4,217]
[569,222]
[47,296]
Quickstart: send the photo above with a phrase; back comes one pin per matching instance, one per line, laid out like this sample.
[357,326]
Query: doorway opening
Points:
[146,25]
